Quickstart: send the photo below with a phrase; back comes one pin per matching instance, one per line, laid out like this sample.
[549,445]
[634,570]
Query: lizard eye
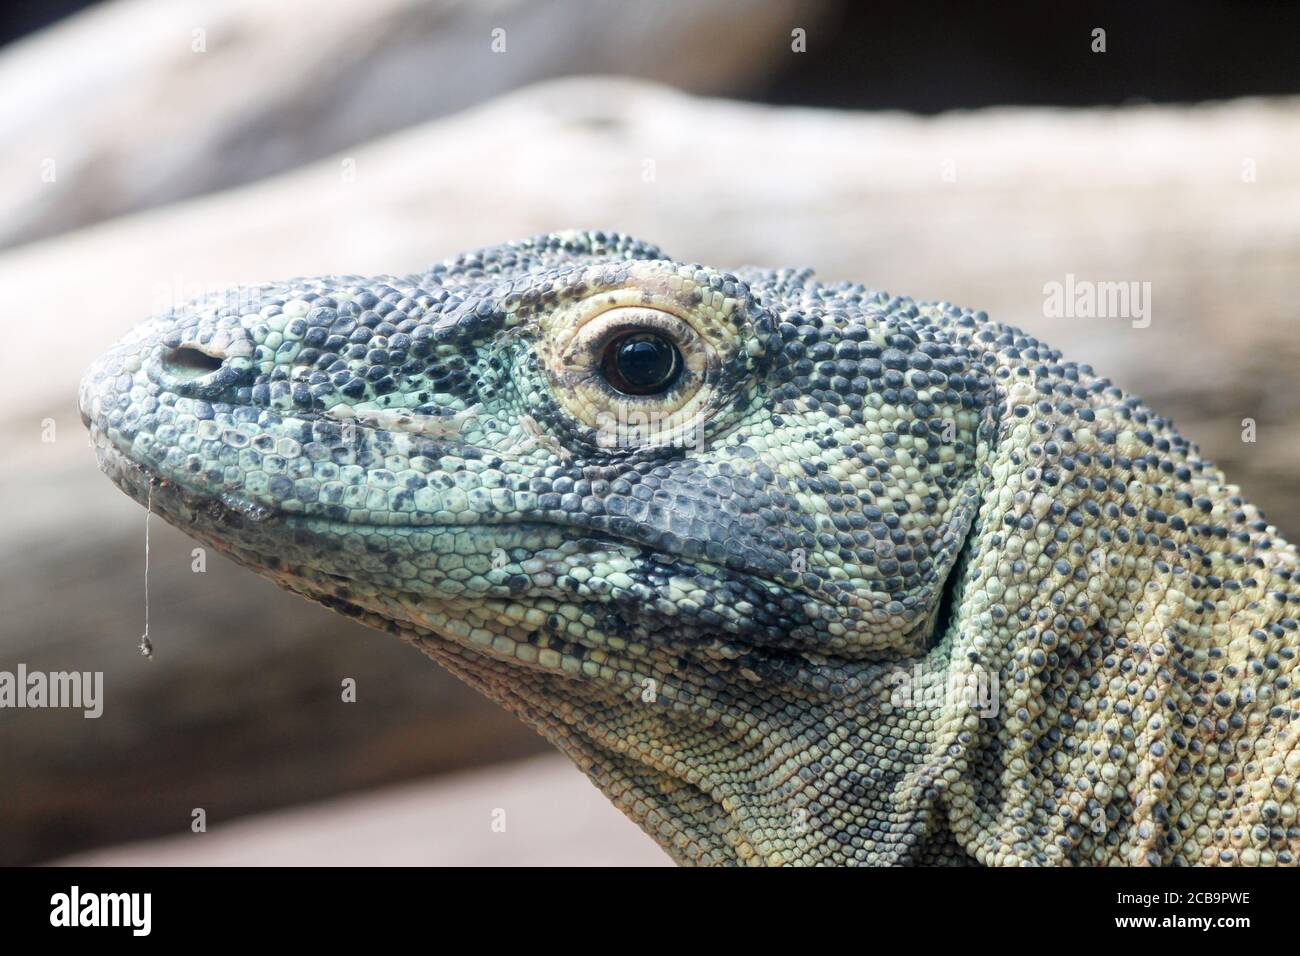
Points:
[641,363]
[638,366]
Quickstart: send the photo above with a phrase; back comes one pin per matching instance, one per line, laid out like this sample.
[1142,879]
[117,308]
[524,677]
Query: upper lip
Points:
[235,509]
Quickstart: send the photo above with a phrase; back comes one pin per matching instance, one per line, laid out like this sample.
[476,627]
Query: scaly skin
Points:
[717,614]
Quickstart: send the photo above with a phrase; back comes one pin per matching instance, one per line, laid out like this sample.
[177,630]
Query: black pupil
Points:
[642,364]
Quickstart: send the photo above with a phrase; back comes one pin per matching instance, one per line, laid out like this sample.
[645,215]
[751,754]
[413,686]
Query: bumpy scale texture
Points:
[709,598]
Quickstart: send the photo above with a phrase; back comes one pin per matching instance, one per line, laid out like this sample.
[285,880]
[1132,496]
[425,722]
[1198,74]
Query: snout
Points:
[181,355]
[107,385]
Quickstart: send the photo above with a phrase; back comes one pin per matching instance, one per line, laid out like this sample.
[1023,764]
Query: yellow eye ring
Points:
[678,384]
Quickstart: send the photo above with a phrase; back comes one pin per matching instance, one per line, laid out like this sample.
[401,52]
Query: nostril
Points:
[190,363]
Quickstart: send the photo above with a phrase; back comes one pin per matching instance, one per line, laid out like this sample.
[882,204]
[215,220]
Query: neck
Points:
[804,764]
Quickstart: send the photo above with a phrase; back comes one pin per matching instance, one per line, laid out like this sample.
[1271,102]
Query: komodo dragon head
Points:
[796,573]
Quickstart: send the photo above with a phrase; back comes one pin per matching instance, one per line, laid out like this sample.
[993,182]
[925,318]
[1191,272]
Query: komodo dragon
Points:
[755,552]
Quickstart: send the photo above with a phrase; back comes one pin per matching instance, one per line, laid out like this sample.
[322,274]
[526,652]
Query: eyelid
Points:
[703,325]
[602,327]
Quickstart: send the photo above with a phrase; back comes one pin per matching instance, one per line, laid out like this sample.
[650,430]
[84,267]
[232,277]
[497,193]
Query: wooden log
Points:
[189,96]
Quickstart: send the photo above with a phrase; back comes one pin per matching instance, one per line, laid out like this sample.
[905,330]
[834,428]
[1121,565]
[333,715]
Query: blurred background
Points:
[151,150]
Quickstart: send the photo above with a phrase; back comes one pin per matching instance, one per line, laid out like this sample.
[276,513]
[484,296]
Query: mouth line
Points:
[227,505]
[238,512]
[195,512]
